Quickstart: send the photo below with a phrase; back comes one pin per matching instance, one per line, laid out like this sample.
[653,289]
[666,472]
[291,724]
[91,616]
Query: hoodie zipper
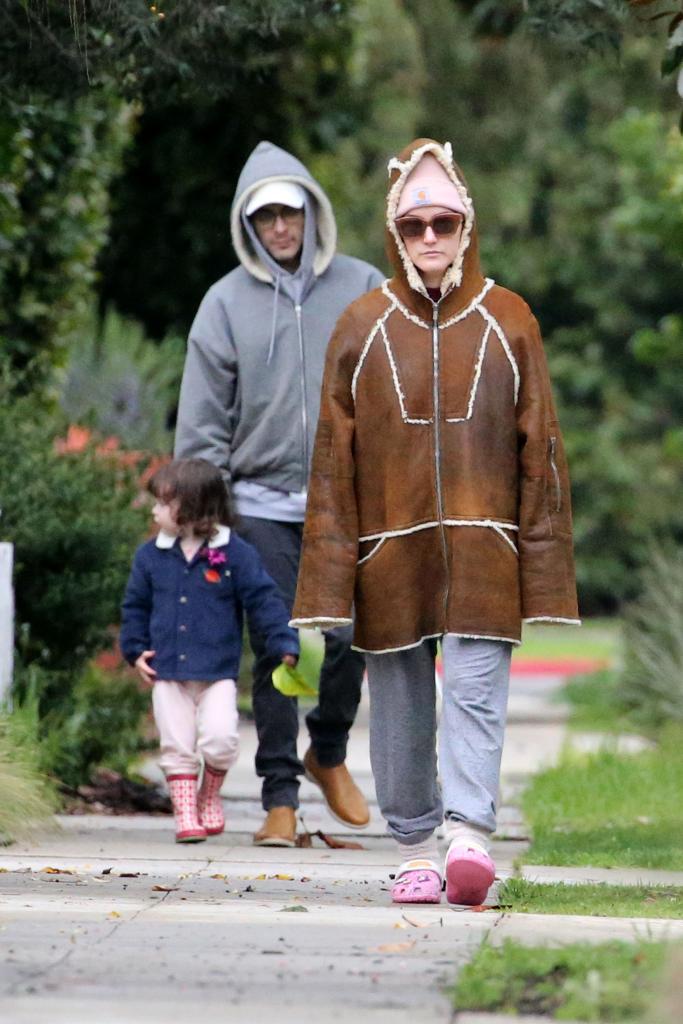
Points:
[437,452]
[556,475]
[304,412]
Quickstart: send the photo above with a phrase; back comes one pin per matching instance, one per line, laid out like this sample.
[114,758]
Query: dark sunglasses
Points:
[414,227]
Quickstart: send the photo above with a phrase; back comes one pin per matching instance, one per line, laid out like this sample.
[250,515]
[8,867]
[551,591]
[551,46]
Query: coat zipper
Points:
[304,412]
[437,453]
[556,475]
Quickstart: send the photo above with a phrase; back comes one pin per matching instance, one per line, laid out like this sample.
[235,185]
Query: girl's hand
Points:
[145,671]
[290,659]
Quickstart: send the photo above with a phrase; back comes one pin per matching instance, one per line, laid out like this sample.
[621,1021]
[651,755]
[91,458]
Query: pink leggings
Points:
[196,721]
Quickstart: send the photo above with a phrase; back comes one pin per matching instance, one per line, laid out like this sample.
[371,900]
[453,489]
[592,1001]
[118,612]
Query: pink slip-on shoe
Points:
[417,881]
[469,875]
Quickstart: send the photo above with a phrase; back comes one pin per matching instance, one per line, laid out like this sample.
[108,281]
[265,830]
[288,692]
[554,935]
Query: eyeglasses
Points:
[414,227]
[266,216]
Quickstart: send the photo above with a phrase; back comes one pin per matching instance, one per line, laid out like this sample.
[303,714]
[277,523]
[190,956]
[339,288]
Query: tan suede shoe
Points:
[279,828]
[344,800]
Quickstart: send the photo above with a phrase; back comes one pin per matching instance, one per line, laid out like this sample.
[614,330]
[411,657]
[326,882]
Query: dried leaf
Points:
[57,871]
[416,924]
[130,874]
[260,878]
[284,878]
[337,844]
[107,871]
[400,924]
[294,910]
[114,913]
[164,888]
[396,947]
[223,877]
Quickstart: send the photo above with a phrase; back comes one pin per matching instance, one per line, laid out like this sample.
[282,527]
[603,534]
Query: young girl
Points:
[439,507]
[182,629]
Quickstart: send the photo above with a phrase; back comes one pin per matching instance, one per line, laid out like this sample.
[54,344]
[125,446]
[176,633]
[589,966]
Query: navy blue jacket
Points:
[193,624]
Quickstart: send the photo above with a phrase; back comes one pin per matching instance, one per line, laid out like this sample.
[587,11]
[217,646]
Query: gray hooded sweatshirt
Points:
[250,395]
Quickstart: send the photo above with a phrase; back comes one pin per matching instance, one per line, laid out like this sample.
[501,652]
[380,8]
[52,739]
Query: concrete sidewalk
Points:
[108,920]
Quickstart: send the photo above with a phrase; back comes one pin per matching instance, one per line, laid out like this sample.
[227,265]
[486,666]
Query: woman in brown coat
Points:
[438,508]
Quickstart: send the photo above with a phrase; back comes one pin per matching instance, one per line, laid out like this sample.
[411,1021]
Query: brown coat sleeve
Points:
[327,571]
[545,525]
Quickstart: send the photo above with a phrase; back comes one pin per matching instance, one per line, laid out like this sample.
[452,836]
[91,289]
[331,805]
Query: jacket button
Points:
[182,657]
[183,600]
[183,629]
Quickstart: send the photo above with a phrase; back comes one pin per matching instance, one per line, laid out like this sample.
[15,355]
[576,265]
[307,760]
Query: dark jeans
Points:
[277,719]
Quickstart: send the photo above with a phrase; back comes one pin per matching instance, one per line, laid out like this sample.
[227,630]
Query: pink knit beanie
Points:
[428,184]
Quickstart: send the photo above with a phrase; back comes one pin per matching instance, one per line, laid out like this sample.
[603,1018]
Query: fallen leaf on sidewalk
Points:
[396,947]
[400,924]
[223,877]
[114,913]
[284,878]
[337,844]
[57,871]
[130,874]
[260,878]
[164,888]
[416,924]
[294,910]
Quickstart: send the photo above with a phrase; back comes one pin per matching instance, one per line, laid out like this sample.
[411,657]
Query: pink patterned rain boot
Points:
[209,802]
[183,792]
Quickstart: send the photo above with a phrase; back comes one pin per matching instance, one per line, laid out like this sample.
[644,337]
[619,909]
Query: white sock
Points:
[426,850]
[463,833]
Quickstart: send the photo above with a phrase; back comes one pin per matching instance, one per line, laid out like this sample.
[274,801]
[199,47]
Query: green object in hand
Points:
[291,683]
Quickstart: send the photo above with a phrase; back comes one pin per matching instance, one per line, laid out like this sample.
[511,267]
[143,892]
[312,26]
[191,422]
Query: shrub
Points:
[93,722]
[71,520]
[651,684]
[137,382]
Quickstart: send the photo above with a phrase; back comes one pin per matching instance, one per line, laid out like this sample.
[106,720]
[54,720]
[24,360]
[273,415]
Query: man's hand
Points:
[146,673]
[290,659]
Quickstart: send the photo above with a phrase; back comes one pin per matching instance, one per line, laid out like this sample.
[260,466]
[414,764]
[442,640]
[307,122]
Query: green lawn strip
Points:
[594,703]
[596,638]
[608,809]
[617,981]
[596,900]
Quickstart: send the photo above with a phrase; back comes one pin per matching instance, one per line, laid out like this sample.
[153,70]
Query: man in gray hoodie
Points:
[249,403]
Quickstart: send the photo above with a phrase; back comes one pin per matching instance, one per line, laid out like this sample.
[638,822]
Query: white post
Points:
[6,622]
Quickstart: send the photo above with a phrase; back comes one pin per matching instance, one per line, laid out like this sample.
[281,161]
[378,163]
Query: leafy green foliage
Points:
[57,162]
[119,383]
[77,723]
[143,50]
[615,981]
[71,520]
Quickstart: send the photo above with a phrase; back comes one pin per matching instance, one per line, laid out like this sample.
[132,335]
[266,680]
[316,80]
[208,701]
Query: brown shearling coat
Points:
[439,497]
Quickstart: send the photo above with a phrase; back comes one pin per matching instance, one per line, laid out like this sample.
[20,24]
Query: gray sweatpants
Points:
[403,734]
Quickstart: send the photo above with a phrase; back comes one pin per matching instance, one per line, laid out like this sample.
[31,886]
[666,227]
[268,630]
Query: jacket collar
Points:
[221,537]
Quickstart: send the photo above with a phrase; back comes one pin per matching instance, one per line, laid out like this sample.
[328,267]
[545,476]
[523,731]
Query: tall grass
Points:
[651,684]
[27,798]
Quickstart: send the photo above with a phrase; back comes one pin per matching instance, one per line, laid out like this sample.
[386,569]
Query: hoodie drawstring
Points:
[273,323]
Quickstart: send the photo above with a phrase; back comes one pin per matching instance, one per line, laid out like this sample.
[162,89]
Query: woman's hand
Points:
[290,659]
[145,671]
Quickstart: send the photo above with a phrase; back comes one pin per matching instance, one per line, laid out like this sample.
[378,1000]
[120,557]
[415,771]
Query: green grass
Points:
[523,897]
[596,638]
[616,981]
[610,810]
[595,704]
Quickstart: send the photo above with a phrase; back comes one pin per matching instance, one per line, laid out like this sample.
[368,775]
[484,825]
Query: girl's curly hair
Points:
[201,493]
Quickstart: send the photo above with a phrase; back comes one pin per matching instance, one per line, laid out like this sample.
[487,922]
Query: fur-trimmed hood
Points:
[463,279]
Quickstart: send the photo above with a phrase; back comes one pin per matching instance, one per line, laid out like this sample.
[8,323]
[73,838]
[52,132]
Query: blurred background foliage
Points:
[123,128]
